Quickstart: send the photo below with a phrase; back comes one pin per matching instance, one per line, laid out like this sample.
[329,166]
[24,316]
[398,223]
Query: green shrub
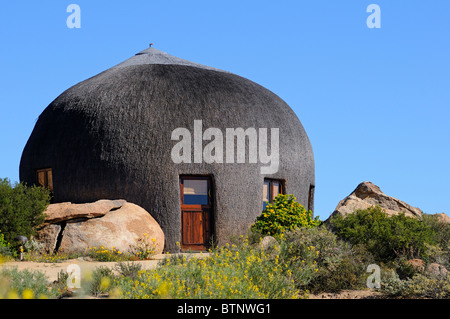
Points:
[440,251]
[60,287]
[419,286]
[323,262]
[297,244]
[429,287]
[128,269]
[285,213]
[393,286]
[404,269]
[441,229]
[21,209]
[438,254]
[386,238]
[101,281]
[5,248]
[25,284]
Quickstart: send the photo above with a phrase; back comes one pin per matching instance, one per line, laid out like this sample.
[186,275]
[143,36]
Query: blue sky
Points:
[374,102]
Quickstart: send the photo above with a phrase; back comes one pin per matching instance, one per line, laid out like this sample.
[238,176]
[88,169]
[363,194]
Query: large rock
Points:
[73,228]
[433,269]
[443,218]
[57,213]
[268,242]
[367,195]
[417,264]
[436,269]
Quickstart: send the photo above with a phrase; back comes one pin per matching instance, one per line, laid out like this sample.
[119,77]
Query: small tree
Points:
[21,208]
[285,213]
[386,237]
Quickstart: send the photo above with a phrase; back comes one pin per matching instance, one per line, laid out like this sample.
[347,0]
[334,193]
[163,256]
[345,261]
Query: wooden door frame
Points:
[207,211]
[270,190]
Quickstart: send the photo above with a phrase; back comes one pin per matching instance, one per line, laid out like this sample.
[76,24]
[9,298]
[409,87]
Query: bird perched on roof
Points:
[151,45]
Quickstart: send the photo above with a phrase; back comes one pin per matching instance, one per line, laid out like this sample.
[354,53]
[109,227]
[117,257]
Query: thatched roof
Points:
[154,56]
[109,137]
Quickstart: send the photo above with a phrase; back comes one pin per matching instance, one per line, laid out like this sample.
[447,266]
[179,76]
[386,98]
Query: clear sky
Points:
[375,102]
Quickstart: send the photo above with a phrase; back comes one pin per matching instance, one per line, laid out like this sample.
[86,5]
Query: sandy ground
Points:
[52,269]
[349,294]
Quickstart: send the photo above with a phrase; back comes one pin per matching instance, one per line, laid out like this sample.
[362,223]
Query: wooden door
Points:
[196,212]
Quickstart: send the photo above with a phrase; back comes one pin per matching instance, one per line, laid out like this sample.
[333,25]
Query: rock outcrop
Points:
[267,242]
[417,264]
[433,269]
[436,269]
[366,195]
[442,217]
[73,228]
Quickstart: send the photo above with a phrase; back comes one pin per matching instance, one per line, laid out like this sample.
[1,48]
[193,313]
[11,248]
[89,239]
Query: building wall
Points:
[109,137]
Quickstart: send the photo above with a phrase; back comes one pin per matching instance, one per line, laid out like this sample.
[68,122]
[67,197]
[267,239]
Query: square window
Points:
[271,189]
[44,178]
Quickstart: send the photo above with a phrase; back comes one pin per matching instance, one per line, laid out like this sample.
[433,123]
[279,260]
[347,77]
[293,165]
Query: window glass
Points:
[44,178]
[266,194]
[266,191]
[195,192]
[41,178]
[271,189]
[50,180]
[276,189]
[311,197]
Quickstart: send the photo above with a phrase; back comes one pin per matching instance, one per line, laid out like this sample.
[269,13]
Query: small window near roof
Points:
[271,189]
[44,178]
[311,197]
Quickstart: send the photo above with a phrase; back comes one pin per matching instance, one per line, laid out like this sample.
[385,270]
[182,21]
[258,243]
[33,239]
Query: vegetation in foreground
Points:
[21,212]
[302,257]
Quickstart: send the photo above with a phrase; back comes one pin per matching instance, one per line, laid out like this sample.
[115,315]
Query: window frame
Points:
[48,182]
[196,177]
[271,181]
[311,192]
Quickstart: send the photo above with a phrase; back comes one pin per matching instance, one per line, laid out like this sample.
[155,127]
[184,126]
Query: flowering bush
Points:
[285,213]
[144,248]
[106,254]
[229,272]
[47,258]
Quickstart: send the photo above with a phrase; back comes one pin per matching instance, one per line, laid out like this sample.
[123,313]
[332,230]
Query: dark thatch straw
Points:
[109,137]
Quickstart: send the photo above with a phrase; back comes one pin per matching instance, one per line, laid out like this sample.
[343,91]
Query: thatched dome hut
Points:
[114,136]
